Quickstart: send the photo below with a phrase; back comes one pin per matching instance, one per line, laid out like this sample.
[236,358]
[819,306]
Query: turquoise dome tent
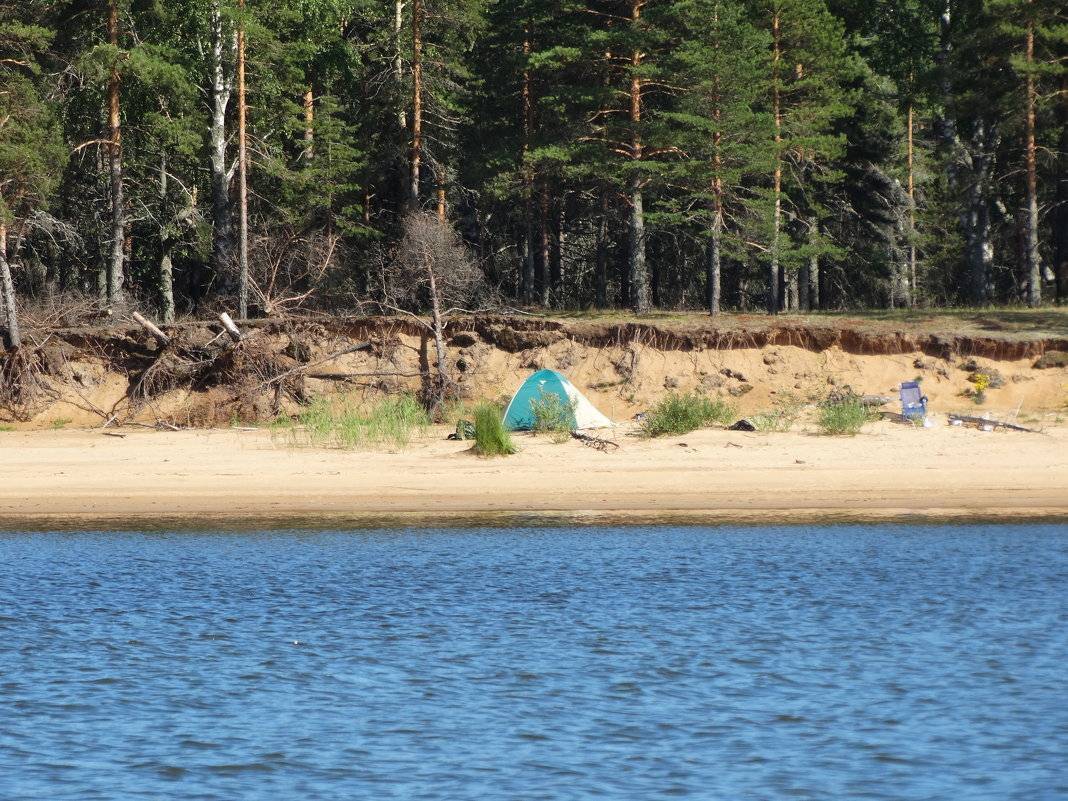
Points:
[519,416]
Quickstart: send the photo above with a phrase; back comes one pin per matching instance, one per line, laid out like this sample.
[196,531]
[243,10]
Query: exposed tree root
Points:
[22,386]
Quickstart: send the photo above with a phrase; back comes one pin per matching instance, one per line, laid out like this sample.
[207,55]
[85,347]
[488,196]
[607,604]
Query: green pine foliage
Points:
[590,153]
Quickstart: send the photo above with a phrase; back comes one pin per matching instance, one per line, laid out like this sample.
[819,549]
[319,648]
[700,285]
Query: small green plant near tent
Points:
[782,417]
[553,416]
[491,437]
[391,423]
[845,416]
[680,414]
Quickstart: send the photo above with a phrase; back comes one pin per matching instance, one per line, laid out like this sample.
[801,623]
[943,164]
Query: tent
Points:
[519,416]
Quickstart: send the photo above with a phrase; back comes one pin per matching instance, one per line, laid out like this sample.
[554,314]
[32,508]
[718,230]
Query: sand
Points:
[204,478]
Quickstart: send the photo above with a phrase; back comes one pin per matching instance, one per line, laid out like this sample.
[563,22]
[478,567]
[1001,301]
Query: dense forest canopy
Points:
[175,155]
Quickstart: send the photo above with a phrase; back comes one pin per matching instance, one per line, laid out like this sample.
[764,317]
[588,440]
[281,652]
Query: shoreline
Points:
[220,478]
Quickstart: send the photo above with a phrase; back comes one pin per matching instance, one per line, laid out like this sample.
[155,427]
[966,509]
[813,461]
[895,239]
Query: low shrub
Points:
[782,417]
[392,423]
[843,417]
[491,437]
[553,416]
[680,414]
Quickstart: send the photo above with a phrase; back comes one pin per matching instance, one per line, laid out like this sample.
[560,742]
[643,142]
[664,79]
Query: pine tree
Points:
[721,59]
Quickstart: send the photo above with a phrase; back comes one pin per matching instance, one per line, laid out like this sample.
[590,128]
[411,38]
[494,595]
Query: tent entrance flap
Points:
[519,416]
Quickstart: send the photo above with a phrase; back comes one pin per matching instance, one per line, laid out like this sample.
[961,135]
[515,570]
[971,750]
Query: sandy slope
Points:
[228,476]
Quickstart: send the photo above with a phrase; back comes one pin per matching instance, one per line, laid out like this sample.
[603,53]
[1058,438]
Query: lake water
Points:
[876,662]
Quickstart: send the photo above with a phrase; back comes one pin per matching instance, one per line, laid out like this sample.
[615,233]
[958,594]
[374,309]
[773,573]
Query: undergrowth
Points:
[784,413]
[843,417]
[680,414]
[392,423]
[553,416]
[491,437]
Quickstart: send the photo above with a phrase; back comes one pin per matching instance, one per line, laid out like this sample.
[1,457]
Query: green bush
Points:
[553,416]
[391,423]
[491,437]
[784,413]
[680,414]
[843,417]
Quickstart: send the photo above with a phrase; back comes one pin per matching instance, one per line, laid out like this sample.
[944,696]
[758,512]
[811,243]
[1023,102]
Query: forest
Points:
[187,156]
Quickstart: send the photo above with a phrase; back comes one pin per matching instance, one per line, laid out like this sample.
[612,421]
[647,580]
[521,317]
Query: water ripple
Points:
[879,662]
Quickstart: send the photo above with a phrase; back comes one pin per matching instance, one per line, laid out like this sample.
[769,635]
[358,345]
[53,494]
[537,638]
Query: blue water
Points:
[918,662]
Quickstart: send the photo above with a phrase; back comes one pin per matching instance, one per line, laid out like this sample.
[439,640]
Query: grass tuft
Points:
[391,423]
[680,414]
[553,416]
[843,417]
[491,437]
[782,417]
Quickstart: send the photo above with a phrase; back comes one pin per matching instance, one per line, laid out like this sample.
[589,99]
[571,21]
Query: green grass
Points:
[553,416]
[491,437]
[60,422]
[781,418]
[680,414]
[844,417]
[392,423]
[7,428]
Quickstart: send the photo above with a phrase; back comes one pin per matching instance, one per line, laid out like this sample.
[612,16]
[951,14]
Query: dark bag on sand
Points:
[742,425]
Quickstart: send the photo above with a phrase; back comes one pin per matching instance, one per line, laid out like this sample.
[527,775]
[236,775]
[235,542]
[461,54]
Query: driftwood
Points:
[981,422]
[874,400]
[303,368]
[231,327]
[152,329]
[597,443]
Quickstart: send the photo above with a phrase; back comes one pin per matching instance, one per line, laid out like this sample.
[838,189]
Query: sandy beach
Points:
[255,477]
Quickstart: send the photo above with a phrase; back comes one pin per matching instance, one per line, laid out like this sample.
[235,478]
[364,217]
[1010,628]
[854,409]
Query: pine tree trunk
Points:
[398,64]
[713,287]
[814,283]
[242,170]
[118,213]
[556,277]
[402,108]
[1034,268]
[12,337]
[773,267]
[416,155]
[221,88]
[438,325]
[528,174]
[542,278]
[439,193]
[601,277]
[166,267]
[636,267]
[792,300]
[976,218]
[1060,207]
[308,104]
[912,208]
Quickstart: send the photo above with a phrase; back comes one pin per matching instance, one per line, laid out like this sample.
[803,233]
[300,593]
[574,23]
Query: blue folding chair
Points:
[913,402]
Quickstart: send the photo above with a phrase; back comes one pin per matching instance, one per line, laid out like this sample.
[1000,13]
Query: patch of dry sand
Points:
[228,476]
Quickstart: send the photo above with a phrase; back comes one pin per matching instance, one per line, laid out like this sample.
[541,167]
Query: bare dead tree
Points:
[431,270]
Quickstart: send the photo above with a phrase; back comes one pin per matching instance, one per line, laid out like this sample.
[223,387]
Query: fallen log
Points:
[874,400]
[152,329]
[597,443]
[981,422]
[231,327]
